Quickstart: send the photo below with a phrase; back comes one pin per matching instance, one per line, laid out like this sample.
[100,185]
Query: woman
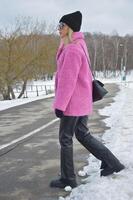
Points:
[73,102]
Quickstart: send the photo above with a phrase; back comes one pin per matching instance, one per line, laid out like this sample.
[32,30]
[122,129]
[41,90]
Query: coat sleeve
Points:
[67,78]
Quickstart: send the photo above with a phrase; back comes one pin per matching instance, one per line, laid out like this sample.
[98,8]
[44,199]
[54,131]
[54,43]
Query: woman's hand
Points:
[59,113]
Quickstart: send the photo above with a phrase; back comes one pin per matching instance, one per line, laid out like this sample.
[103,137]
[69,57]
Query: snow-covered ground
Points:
[120,76]
[16,102]
[42,86]
[32,95]
[119,139]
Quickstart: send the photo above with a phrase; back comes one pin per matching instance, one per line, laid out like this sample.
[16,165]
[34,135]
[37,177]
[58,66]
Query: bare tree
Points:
[26,52]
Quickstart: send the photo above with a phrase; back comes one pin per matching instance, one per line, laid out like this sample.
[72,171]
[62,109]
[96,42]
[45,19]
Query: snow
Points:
[16,102]
[82,173]
[32,95]
[119,139]
[68,188]
[118,79]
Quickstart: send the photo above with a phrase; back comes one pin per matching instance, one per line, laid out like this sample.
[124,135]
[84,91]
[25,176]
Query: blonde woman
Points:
[73,102]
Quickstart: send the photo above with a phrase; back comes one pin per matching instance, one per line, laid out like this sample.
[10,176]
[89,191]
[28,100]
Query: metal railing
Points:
[35,90]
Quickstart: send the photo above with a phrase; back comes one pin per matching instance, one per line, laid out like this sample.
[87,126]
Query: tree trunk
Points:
[12,93]
[23,89]
[116,47]
[103,52]
[95,55]
[6,94]
[125,53]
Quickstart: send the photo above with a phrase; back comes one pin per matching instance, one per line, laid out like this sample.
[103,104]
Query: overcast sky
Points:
[98,15]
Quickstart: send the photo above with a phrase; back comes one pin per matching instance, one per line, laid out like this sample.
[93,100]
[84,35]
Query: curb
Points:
[46,97]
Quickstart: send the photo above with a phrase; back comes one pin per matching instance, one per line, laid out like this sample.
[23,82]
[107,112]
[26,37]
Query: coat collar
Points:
[75,36]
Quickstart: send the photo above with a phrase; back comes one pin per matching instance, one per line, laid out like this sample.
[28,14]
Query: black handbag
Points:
[98,90]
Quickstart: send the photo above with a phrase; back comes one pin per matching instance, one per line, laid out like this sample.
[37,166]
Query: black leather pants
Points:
[78,125]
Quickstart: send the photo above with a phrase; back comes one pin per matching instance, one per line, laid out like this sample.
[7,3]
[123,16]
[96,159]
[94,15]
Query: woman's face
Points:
[63,29]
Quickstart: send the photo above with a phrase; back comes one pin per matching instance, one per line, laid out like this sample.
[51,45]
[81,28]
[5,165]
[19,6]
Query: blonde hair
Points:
[68,39]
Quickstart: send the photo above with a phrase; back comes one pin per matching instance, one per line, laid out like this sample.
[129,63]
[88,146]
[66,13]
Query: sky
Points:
[106,16]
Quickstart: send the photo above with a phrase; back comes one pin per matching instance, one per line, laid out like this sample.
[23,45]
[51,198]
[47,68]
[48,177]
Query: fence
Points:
[35,90]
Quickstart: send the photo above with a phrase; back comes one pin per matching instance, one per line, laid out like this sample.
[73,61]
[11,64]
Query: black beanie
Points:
[73,20]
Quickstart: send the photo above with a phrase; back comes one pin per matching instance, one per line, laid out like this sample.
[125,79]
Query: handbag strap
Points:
[87,59]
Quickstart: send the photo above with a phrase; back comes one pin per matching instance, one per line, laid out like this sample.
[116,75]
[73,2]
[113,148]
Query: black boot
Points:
[110,163]
[108,171]
[62,183]
[103,165]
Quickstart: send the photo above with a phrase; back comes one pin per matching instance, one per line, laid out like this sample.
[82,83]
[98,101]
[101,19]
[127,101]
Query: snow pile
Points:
[119,139]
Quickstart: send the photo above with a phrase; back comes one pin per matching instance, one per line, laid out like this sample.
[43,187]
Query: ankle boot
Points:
[103,165]
[62,183]
[108,171]
[101,152]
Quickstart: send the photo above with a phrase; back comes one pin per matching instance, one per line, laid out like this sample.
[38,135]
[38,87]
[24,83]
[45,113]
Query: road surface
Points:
[27,167]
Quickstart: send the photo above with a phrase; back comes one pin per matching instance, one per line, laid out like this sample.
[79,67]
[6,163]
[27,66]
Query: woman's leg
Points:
[109,162]
[66,132]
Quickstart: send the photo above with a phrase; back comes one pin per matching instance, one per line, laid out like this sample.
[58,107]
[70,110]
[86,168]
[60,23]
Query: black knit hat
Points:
[73,20]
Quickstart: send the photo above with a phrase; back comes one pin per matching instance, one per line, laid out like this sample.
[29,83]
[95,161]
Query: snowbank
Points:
[32,96]
[119,139]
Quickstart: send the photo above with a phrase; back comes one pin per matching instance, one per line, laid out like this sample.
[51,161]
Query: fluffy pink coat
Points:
[73,79]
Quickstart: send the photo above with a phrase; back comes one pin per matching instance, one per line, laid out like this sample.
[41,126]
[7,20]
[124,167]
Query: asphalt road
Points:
[28,167]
